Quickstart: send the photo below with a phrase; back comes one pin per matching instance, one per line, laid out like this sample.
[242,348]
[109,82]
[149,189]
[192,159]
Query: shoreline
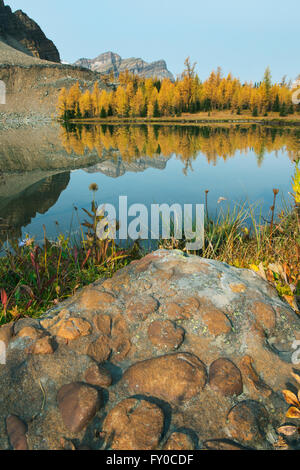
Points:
[17,120]
[185,121]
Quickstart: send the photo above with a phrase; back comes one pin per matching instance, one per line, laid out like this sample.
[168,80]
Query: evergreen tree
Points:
[283,110]
[156,112]
[103,113]
[110,111]
[276,105]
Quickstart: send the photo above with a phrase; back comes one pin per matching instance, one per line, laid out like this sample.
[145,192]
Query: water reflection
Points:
[18,211]
[186,142]
[45,171]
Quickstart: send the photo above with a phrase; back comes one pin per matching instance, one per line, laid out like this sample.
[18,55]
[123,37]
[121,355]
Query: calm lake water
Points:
[46,172]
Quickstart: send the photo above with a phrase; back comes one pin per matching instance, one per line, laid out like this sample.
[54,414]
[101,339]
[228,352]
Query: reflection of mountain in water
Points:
[17,211]
[35,163]
[24,195]
[116,167]
[35,169]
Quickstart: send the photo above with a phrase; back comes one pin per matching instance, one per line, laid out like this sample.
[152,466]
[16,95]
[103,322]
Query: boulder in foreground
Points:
[173,352]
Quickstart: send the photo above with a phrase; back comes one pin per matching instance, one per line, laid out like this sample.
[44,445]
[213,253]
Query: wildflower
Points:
[4,300]
[29,241]
[93,187]
[14,312]
[221,199]
[26,242]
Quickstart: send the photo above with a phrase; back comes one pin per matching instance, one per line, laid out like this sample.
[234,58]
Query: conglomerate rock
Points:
[172,352]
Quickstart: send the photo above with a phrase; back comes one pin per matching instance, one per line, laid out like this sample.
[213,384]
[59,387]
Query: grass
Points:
[243,240]
[35,278]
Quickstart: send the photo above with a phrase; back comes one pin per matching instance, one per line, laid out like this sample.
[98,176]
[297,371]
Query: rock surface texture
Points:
[111,62]
[173,352]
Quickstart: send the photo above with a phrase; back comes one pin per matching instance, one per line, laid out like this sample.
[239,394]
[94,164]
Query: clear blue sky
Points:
[240,36]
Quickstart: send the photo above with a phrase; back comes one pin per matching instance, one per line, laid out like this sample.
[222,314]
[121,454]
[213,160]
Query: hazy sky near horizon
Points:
[241,37]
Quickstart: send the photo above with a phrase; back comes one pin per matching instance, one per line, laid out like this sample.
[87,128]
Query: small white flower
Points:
[221,199]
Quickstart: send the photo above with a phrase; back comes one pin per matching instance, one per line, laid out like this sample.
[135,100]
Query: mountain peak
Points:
[109,61]
[24,34]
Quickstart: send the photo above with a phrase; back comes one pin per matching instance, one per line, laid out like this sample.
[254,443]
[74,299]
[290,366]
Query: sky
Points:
[242,37]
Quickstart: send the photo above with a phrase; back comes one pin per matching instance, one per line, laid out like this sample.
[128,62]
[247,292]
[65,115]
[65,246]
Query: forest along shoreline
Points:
[188,99]
[188,121]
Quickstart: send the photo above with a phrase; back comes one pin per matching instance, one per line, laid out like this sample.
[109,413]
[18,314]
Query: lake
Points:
[45,172]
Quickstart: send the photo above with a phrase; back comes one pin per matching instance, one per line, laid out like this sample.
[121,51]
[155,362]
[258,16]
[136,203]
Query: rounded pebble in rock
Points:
[133,425]
[100,349]
[16,431]
[102,324]
[216,322]
[174,377]
[29,332]
[92,299]
[174,311]
[73,328]
[141,307]
[247,421]
[165,334]
[98,376]
[225,377]
[43,346]
[78,404]
[264,314]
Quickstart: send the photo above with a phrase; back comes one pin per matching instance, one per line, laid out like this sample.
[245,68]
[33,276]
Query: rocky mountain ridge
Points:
[112,62]
[22,33]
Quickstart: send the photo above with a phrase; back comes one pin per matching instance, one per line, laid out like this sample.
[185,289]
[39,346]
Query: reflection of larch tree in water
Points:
[260,156]
[186,142]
